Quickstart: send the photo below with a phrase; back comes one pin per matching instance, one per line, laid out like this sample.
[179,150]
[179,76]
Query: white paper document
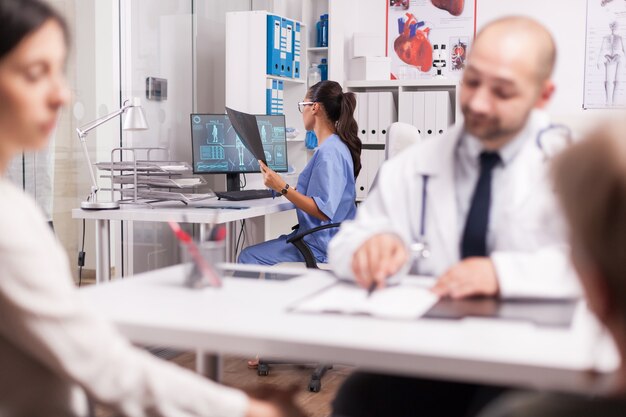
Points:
[402,302]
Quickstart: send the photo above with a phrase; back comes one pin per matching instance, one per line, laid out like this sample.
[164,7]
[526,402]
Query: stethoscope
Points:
[560,138]
[420,249]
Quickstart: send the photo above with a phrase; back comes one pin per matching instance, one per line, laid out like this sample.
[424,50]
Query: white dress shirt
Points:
[467,171]
[54,349]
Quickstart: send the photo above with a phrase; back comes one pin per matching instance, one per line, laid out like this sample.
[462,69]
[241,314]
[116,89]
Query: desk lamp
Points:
[135,120]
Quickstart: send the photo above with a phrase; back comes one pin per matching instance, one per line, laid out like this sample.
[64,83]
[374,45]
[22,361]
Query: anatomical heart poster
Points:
[605,55]
[428,38]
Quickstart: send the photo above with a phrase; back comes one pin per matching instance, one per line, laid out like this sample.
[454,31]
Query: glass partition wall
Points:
[115,46]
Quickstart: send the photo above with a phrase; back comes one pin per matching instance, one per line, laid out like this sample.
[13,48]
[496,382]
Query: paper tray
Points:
[174,167]
[168,195]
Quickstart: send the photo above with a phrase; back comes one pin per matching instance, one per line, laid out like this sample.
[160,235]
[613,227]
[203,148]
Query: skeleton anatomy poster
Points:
[427,37]
[605,56]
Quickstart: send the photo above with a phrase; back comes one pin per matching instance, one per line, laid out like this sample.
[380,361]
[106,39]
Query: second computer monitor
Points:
[217,149]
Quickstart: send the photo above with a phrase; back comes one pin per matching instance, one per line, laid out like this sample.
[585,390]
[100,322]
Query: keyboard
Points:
[244,195]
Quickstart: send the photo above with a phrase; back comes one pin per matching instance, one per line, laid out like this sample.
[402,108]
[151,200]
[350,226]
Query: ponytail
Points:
[347,130]
[339,107]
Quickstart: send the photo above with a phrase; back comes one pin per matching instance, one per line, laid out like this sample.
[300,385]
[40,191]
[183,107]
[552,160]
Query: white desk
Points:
[172,211]
[249,317]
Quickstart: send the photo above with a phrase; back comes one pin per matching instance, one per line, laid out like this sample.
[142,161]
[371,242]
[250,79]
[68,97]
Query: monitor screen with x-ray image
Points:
[217,149]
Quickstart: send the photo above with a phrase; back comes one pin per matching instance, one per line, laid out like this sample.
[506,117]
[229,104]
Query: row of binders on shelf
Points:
[284,44]
[374,113]
[430,111]
[274,102]
[371,160]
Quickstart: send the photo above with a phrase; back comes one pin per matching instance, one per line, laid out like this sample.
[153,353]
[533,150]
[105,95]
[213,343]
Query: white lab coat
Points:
[54,348]
[529,251]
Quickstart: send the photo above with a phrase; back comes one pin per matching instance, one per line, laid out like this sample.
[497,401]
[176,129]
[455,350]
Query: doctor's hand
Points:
[380,257]
[271,179]
[470,277]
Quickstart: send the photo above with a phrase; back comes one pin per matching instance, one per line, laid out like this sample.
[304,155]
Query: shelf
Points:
[318,49]
[286,79]
[425,82]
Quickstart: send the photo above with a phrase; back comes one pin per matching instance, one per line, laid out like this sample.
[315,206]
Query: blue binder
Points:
[275,96]
[274,45]
[297,42]
[268,96]
[280,108]
[286,47]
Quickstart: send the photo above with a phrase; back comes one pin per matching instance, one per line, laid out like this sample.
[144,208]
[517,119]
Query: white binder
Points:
[362,110]
[371,160]
[430,114]
[387,114]
[372,118]
[443,112]
[361,181]
[405,107]
[418,112]
[377,157]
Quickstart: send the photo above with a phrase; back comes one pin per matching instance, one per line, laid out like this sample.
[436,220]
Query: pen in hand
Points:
[371,289]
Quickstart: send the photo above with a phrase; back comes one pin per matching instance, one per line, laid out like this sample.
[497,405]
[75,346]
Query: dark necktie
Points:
[474,241]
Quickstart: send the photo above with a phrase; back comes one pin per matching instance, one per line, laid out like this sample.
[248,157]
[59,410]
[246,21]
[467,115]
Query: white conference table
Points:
[250,316]
[222,211]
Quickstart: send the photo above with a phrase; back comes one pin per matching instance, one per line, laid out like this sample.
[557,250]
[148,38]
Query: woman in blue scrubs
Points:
[326,191]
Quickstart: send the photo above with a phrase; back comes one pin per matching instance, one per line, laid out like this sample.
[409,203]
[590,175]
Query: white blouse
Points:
[54,349]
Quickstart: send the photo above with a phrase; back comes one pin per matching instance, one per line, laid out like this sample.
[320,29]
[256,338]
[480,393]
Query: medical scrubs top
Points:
[328,178]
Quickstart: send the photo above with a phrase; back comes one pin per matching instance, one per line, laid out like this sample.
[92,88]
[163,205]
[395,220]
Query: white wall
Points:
[564,18]
[210,52]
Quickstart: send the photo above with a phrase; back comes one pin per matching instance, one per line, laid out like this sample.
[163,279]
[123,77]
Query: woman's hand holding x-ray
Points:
[271,179]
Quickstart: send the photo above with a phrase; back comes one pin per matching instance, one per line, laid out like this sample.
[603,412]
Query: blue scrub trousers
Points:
[272,252]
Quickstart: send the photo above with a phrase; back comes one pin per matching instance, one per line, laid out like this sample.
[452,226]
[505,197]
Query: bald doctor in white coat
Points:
[490,218]
[501,97]
[525,238]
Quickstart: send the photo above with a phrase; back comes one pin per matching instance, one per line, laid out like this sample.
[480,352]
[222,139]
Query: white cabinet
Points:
[246,90]
[247,78]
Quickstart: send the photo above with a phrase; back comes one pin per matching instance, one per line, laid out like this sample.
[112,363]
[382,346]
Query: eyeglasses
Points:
[304,103]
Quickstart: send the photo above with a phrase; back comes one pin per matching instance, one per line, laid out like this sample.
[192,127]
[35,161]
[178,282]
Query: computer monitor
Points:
[217,149]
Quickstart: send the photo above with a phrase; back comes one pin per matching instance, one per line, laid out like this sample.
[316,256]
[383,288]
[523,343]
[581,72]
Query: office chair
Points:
[263,369]
[399,137]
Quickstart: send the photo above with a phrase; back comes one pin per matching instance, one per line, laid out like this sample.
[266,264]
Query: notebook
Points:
[405,301]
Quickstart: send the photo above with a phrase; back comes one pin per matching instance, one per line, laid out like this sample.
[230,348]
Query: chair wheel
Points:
[315,385]
[263,370]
